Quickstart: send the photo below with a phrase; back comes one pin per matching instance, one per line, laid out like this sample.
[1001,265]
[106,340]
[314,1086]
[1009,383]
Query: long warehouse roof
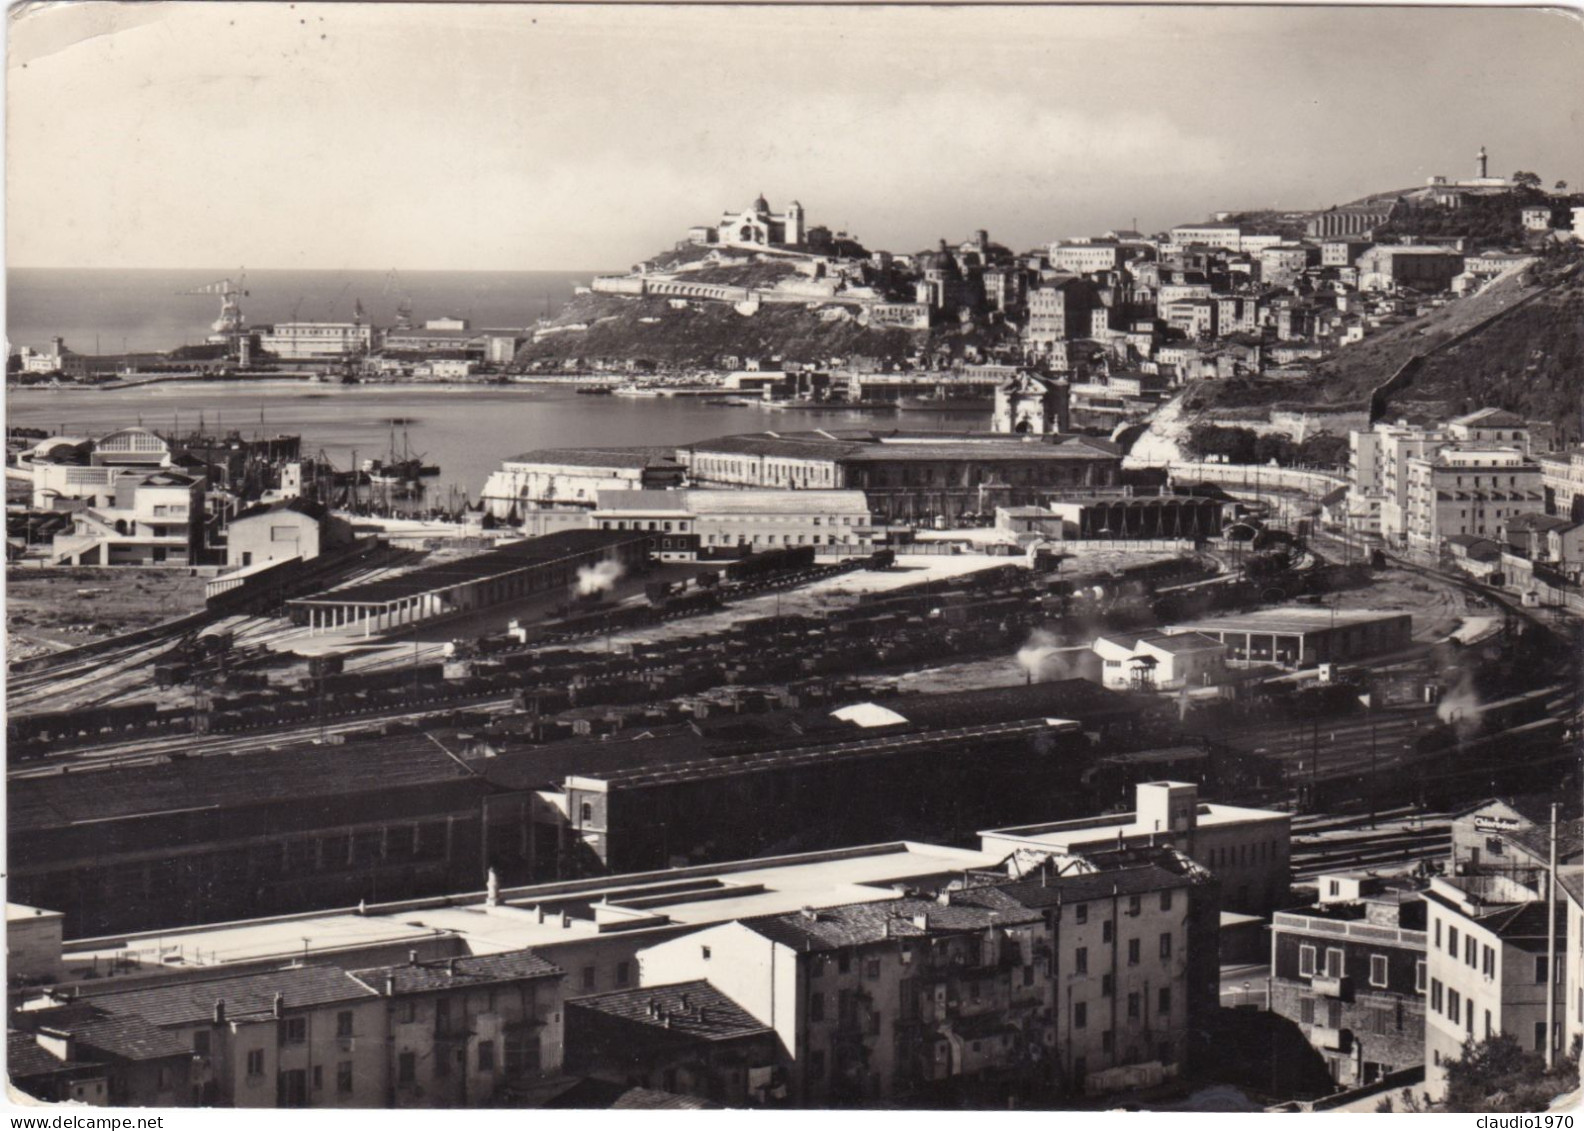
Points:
[493,563]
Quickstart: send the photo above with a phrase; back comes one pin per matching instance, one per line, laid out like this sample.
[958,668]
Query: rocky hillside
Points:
[1523,351]
[615,328]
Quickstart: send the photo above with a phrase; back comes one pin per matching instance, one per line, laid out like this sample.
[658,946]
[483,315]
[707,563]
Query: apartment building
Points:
[460,1031]
[1467,490]
[1488,968]
[301,1036]
[1087,981]
[1351,972]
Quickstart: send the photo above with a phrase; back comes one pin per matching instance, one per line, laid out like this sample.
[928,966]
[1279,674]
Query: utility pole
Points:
[1551,954]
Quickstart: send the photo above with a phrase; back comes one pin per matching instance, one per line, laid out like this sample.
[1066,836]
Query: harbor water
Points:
[467,430]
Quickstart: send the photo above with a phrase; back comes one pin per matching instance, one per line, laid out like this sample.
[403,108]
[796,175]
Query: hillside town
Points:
[1191,722]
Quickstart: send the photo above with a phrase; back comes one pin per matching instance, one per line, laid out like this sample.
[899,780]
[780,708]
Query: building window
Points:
[344,1077]
[1333,966]
[623,973]
[1163,1002]
[1133,952]
[1471,950]
[409,1011]
[1105,931]
[1081,914]
[1377,970]
[1452,941]
[588,977]
[1539,968]
[704,952]
[344,1023]
[1306,961]
[1435,994]
[1488,1025]
[1133,1006]
[1454,1004]
[1419,976]
[1107,1041]
[1489,963]
[817,1007]
[1306,1011]
[1438,934]
[1166,900]
[1135,904]
[201,1042]
[486,1056]
[1107,985]
[872,969]
[296,1030]
[255,1062]
[1081,960]
[1081,1015]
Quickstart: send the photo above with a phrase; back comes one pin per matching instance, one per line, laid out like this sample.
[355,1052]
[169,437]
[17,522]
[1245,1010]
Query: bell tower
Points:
[1484,163]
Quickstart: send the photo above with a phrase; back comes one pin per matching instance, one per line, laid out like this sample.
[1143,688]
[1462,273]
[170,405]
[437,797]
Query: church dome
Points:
[761,205]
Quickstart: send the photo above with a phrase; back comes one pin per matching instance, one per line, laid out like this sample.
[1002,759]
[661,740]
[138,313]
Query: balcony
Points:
[1339,986]
[1332,1040]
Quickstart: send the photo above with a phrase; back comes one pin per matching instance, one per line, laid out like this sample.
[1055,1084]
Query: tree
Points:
[1498,1075]
[1522,179]
[1561,186]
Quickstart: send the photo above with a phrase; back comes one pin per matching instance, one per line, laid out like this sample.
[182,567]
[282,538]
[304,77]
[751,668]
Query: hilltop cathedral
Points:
[757,227]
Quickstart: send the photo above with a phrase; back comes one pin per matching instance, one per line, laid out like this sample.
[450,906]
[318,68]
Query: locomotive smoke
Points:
[597,578]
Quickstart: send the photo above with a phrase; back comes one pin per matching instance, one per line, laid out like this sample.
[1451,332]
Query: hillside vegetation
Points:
[705,332]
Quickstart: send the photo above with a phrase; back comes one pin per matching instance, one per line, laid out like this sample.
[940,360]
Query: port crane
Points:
[393,285]
[229,329]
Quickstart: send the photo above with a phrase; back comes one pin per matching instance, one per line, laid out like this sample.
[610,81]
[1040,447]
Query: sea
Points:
[466,430]
[104,311]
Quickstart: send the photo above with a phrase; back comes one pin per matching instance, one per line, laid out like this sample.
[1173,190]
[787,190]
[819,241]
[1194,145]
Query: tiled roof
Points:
[590,1093]
[297,506]
[24,1058]
[685,1009]
[120,1036]
[245,995]
[1541,522]
[858,924]
[476,970]
[1537,839]
[599,457]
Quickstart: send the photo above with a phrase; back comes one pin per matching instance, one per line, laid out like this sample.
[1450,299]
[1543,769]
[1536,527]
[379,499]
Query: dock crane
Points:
[393,286]
[229,329]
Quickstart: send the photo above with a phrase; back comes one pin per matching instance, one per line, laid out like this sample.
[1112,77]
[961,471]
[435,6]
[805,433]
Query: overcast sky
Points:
[570,138]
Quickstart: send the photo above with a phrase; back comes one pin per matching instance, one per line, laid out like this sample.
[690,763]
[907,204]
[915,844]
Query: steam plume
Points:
[597,578]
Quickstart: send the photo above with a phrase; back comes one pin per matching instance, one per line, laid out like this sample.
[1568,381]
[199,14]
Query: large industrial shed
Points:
[521,569]
[1304,638]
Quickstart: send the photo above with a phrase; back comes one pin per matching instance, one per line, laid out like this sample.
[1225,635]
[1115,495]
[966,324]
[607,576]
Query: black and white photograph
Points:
[859,557]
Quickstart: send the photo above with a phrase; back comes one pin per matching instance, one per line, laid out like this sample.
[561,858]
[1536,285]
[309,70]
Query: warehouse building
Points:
[909,476]
[705,525]
[522,569]
[1304,638]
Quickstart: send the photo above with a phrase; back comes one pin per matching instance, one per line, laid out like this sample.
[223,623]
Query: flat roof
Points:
[751,501]
[696,896]
[492,563]
[1087,831]
[1297,621]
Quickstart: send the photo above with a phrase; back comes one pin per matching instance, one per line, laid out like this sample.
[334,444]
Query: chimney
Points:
[540,910]
[412,958]
[921,920]
[219,1011]
[684,1003]
[811,915]
[566,920]
[668,1021]
[654,1008]
[492,888]
[390,985]
[703,1014]
[451,968]
[279,1005]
